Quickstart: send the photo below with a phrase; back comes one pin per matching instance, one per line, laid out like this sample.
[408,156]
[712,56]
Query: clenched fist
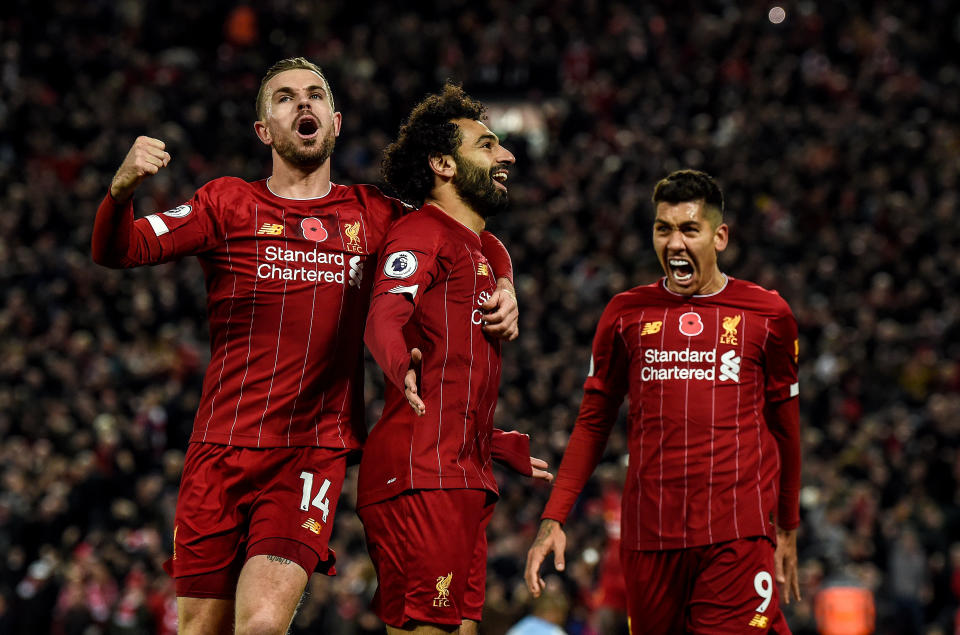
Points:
[146,157]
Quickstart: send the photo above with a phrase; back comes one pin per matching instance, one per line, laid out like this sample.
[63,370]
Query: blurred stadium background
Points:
[835,133]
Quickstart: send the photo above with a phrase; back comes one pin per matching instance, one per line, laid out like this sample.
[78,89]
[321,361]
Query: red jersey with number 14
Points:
[288,287]
[698,371]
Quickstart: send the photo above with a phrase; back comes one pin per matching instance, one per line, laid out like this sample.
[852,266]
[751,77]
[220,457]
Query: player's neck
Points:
[455,208]
[717,281]
[290,181]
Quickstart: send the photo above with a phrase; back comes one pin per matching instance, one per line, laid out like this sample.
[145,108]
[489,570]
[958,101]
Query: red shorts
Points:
[235,503]
[429,548]
[713,589]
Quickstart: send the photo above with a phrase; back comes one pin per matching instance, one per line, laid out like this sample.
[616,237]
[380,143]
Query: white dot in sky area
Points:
[777,15]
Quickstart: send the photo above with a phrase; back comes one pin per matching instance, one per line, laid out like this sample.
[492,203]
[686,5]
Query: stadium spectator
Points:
[548,616]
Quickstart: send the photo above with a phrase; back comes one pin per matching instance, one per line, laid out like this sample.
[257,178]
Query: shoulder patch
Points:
[179,211]
[400,264]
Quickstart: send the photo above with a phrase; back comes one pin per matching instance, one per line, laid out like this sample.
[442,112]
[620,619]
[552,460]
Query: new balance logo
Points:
[483,270]
[270,229]
[312,525]
[730,367]
[649,328]
[760,621]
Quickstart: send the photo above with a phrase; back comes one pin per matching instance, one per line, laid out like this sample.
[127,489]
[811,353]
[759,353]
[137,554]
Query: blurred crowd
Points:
[834,133]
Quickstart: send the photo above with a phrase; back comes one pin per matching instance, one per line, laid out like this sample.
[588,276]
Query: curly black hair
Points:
[429,131]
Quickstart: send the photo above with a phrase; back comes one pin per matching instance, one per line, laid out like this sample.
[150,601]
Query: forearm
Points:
[783,421]
[598,412]
[112,233]
[389,312]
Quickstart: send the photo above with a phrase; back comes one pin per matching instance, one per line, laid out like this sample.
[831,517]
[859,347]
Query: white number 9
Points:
[763,584]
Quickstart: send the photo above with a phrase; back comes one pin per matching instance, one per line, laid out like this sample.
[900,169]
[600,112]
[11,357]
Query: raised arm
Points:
[114,242]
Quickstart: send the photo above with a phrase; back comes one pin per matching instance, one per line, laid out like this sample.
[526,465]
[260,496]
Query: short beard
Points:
[308,156]
[476,187]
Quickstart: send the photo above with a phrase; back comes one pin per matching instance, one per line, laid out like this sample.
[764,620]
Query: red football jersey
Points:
[288,287]
[436,262]
[698,371]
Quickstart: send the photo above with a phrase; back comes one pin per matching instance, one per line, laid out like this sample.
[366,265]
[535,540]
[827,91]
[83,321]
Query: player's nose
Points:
[505,156]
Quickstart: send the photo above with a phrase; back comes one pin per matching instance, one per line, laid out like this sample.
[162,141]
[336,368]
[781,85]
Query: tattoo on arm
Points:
[543,534]
[279,559]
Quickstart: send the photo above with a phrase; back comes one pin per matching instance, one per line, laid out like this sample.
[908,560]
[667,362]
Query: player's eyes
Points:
[316,96]
[284,98]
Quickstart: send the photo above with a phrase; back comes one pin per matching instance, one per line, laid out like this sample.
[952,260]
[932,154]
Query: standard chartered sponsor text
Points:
[657,356]
[274,254]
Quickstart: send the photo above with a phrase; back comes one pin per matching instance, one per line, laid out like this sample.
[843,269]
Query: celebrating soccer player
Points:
[710,366]
[287,264]
[426,488]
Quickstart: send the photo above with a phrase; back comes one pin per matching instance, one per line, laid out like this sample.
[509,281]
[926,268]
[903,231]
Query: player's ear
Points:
[443,165]
[337,122]
[263,133]
[721,236]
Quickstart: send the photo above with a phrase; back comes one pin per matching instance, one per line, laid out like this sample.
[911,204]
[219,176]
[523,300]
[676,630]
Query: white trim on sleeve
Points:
[412,290]
[159,227]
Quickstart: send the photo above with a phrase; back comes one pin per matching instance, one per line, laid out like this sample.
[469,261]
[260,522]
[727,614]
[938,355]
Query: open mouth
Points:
[681,269]
[307,127]
[500,176]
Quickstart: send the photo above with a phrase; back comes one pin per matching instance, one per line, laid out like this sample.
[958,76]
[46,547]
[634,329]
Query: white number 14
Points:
[323,504]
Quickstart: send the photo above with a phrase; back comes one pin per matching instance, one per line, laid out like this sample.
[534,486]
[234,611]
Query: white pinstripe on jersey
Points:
[713,431]
[443,374]
[253,311]
[466,410]
[276,357]
[736,478]
[226,340]
[336,347]
[663,387]
[758,417]
[306,356]
[686,446]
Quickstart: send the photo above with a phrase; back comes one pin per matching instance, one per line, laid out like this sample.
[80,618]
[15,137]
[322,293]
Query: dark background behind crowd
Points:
[835,135]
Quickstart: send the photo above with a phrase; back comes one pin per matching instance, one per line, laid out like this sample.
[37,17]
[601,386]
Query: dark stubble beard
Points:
[476,187]
[310,155]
